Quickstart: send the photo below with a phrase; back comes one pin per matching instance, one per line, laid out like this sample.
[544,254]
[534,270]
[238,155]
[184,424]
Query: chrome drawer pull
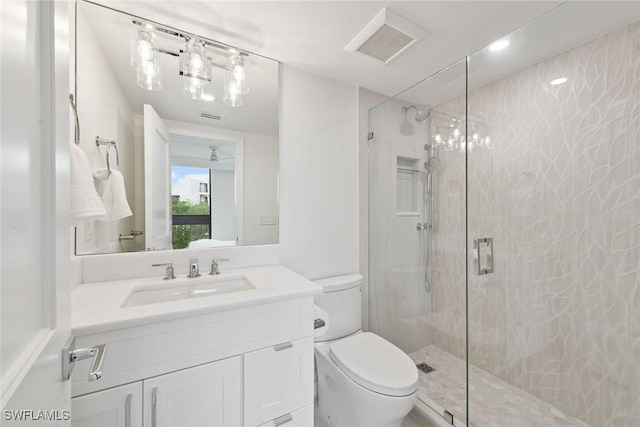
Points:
[127,411]
[283,346]
[154,407]
[282,420]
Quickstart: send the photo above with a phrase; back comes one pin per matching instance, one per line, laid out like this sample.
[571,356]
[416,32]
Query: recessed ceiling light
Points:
[499,45]
[207,97]
[558,81]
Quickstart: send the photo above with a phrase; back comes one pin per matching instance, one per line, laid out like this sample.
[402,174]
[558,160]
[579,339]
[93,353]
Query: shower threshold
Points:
[493,402]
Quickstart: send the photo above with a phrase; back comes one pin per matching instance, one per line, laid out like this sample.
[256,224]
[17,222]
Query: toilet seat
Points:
[375,364]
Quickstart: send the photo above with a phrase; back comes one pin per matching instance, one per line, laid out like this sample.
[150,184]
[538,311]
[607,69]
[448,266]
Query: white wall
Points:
[261,188]
[223,205]
[104,111]
[318,174]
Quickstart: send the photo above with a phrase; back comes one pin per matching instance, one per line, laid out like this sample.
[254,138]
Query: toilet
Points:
[363,379]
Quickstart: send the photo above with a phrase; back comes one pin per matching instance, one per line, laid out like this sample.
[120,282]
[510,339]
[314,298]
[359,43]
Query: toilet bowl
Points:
[363,380]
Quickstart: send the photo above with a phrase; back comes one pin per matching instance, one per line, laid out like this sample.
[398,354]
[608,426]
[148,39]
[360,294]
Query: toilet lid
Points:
[375,364]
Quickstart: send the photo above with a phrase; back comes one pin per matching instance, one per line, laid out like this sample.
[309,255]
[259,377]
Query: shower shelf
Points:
[407,186]
[404,170]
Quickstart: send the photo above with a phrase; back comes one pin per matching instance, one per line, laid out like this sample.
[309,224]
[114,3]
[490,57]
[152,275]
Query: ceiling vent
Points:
[386,36]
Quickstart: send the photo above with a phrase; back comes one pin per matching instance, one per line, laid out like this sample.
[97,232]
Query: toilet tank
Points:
[342,300]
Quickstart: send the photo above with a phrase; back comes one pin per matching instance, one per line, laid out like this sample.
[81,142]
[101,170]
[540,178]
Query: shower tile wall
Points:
[560,194]
[398,299]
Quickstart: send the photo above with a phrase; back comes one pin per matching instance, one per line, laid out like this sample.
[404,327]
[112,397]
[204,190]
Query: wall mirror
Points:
[192,126]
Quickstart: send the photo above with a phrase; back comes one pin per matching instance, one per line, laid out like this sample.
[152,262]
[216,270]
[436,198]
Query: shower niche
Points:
[407,186]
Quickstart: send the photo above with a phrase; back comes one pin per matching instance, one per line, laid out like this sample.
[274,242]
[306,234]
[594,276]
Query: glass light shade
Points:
[207,97]
[192,88]
[148,74]
[232,93]
[238,71]
[143,46]
[194,61]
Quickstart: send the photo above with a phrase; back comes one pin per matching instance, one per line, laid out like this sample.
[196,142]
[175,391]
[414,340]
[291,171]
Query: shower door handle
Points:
[483,255]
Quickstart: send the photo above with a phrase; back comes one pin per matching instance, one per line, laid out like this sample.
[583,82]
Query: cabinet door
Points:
[204,396]
[115,407]
[277,380]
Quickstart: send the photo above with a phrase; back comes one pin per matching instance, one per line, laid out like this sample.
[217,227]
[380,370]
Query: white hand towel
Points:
[85,202]
[114,196]
[120,207]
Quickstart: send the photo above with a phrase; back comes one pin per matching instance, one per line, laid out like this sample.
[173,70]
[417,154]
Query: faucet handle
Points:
[214,265]
[169,272]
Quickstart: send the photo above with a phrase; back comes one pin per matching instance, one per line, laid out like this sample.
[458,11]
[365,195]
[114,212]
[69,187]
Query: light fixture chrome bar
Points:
[177,33]
[177,54]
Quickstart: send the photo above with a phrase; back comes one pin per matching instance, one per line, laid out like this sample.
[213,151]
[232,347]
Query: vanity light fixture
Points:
[238,70]
[195,68]
[448,132]
[144,58]
[195,64]
[235,82]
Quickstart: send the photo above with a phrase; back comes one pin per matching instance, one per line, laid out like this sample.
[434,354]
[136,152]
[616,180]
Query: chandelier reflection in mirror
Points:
[195,63]
[449,132]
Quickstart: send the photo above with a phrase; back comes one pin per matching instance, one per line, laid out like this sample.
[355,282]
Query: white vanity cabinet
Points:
[251,366]
[206,395]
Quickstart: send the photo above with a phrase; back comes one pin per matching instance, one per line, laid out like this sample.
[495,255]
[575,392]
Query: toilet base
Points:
[344,403]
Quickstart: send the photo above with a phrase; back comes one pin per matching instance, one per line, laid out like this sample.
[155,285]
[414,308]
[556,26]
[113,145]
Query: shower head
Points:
[432,164]
[422,114]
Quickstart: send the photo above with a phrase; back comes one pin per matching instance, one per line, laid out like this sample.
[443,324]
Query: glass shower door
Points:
[417,278]
[557,189]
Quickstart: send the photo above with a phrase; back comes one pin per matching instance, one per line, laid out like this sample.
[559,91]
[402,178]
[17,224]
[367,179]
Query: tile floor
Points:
[493,402]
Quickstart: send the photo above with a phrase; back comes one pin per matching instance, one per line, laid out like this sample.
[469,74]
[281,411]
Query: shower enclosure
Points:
[504,225]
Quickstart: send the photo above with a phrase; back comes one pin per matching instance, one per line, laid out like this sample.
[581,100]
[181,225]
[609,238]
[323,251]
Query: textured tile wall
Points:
[560,194]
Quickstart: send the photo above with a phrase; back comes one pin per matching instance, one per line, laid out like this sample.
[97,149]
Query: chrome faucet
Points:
[168,272]
[214,265]
[194,268]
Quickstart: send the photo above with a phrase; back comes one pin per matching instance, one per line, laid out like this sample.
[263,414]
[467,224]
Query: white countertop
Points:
[97,307]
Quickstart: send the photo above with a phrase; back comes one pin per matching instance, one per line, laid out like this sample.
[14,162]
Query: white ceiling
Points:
[311,35]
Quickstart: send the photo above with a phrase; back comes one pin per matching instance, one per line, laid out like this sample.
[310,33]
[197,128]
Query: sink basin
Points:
[194,288]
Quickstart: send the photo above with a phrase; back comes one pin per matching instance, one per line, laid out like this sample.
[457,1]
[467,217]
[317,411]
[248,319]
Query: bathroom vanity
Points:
[227,350]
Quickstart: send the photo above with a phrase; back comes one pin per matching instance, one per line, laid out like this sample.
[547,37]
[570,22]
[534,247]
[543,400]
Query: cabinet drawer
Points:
[115,407]
[300,418]
[277,380]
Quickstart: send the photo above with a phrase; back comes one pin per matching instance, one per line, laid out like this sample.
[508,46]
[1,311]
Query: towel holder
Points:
[109,143]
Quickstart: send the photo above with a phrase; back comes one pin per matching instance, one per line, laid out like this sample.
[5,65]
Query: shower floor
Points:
[493,402]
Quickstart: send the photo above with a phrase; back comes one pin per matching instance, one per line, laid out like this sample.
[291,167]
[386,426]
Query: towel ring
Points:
[109,144]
